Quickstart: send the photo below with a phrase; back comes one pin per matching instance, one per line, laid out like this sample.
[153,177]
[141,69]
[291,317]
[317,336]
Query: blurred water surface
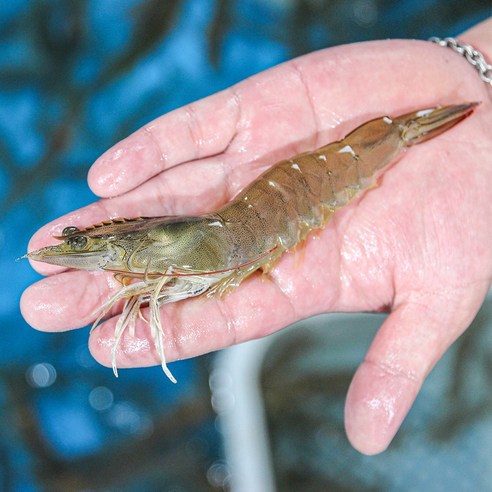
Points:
[76,76]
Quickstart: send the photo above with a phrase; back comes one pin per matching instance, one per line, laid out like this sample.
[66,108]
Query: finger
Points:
[198,326]
[410,342]
[66,301]
[198,130]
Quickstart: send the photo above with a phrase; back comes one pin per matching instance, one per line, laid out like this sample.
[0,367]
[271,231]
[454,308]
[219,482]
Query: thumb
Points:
[410,342]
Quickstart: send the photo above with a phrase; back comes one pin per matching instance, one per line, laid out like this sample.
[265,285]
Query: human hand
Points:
[419,245]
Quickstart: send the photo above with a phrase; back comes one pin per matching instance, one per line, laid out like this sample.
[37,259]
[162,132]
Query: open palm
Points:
[419,245]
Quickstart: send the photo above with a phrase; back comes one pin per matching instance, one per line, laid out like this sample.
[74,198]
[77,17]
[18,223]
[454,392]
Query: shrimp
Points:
[161,260]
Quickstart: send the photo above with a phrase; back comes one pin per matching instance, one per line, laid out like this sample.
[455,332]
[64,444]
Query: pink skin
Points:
[419,244]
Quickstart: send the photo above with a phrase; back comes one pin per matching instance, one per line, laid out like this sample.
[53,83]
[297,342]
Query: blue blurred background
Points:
[76,76]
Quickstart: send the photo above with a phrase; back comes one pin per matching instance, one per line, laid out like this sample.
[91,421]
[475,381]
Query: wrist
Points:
[480,38]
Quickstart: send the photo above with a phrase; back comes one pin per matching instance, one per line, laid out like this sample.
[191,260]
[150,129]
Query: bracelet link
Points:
[473,56]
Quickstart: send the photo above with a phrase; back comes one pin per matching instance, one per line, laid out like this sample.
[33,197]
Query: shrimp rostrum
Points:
[160,260]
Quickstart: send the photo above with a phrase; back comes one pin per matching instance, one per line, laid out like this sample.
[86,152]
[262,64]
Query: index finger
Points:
[195,131]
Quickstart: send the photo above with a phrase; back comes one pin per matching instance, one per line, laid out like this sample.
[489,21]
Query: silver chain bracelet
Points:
[472,55]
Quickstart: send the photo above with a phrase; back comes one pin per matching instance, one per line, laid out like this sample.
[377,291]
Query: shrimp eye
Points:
[77,243]
[69,230]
